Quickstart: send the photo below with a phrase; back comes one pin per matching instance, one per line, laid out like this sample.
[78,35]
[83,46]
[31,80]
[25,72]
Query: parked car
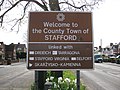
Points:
[112,58]
[105,58]
[98,58]
[118,59]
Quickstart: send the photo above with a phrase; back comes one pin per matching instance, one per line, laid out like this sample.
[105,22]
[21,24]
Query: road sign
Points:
[60,40]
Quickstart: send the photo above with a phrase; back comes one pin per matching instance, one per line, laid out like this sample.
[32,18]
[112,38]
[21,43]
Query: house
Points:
[20,47]
[15,51]
[2,52]
[112,49]
[115,49]
[10,52]
[98,50]
[20,50]
[119,48]
[108,50]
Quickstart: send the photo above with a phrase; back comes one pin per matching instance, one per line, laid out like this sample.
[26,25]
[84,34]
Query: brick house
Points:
[2,52]
[20,47]
[14,51]
[20,50]
[10,52]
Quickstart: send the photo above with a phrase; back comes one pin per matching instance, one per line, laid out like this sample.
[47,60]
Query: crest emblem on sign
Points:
[60,17]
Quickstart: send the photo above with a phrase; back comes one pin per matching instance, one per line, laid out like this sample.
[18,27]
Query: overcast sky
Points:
[106,23]
[106,26]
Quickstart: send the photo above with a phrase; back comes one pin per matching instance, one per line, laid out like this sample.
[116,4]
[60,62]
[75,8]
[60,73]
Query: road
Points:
[15,77]
[105,76]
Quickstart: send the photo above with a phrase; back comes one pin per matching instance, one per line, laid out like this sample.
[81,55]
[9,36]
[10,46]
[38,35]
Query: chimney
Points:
[1,43]
[111,44]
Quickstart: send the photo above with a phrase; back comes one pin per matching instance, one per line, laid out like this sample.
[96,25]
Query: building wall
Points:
[2,51]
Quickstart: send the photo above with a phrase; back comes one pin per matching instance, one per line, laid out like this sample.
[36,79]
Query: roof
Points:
[14,46]
[20,46]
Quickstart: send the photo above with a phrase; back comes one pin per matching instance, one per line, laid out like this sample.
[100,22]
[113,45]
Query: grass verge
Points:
[66,74]
[70,74]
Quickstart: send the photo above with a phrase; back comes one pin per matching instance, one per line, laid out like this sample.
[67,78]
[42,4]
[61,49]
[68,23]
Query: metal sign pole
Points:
[78,79]
[40,79]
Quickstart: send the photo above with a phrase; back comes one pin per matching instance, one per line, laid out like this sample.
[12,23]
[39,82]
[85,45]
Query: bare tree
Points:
[14,13]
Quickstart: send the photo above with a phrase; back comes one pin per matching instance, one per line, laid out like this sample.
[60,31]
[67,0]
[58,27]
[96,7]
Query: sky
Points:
[106,26]
[106,23]
[9,37]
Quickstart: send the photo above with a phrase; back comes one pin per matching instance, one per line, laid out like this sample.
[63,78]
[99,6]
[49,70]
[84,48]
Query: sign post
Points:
[60,40]
[78,79]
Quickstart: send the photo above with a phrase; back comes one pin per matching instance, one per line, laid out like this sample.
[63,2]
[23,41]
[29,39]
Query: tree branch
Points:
[13,5]
[38,3]
[86,5]
[20,19]
[1,3]
[45,7]
[81,7]
[2,16]
[10,2]
[54,6]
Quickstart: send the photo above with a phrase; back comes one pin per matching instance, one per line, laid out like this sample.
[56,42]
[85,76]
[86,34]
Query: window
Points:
[19,49]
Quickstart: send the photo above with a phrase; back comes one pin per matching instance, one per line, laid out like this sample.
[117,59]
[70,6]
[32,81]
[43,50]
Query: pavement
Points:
[16,77]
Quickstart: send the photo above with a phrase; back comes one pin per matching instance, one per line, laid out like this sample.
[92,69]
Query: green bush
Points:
[67,82]
[71,75]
